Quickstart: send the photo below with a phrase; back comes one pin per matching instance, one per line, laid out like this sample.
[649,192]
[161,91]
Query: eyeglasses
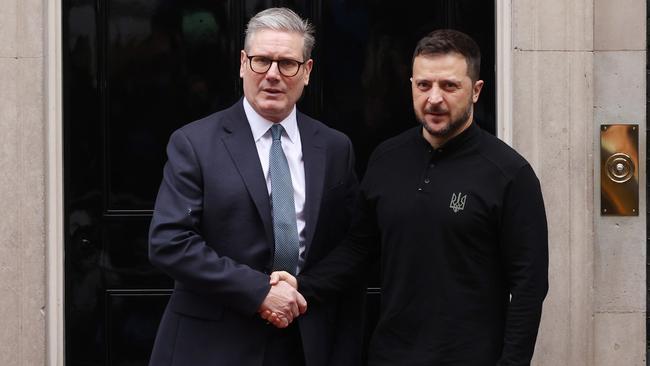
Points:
[286,66]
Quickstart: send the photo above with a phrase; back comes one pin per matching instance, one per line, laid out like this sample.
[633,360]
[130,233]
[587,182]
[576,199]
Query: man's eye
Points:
[262,61]
[286,63]
[422,85]
[450,86]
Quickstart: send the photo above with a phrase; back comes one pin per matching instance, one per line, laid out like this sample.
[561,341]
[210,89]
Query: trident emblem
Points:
[457,202]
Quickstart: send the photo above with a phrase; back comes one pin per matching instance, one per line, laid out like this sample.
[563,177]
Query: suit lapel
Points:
[241,146]
[313,153]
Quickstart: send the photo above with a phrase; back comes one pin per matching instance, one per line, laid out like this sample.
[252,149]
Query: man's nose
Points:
[435,95]
[274,71]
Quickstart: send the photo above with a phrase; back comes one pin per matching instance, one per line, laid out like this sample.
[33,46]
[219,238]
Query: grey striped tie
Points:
[285,228]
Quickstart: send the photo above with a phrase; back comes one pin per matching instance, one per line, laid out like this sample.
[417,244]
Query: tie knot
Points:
[276,131]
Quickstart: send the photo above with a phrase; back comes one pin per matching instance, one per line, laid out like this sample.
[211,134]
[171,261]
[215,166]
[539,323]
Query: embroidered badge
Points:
[457,202]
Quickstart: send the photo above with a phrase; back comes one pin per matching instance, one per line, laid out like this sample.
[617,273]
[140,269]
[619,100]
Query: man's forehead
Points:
[441,59]
[264,36]
[449,65]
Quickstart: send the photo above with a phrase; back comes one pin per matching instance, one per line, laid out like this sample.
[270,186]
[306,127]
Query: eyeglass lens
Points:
[287,67]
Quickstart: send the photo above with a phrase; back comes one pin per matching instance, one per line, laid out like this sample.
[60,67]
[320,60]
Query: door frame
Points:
[504,69]
[54,312]
[53,82]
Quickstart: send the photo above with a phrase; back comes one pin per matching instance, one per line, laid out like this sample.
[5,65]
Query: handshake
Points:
[283,303]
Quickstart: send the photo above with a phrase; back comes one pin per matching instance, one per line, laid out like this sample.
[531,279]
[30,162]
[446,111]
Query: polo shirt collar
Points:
[459,140]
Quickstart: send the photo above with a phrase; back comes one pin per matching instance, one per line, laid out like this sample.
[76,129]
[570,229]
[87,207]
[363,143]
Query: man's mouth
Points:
[273,91]
[435,112]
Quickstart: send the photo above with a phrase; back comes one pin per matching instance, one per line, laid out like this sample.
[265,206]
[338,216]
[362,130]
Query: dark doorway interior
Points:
[136,70]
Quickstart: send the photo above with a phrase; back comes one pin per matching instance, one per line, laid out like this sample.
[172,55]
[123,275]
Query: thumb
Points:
[275,278]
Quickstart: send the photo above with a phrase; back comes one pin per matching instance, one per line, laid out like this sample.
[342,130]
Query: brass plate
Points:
[619,170]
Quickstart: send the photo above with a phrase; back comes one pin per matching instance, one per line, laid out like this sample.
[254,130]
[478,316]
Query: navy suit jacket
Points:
[212,233]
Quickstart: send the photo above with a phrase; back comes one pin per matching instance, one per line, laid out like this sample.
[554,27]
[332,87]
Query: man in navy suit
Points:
[248,190]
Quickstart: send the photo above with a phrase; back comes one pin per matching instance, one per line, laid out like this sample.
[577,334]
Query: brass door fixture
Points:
[619,170]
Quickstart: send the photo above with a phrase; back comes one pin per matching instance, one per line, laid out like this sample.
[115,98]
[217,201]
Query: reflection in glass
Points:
[132,320]
[165,67]
[370,97]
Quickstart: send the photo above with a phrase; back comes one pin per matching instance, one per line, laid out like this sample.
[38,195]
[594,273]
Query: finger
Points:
[266,314]
[281,323]
[294,309]
[302,304]
[287,277]
[278,276]
[277,323]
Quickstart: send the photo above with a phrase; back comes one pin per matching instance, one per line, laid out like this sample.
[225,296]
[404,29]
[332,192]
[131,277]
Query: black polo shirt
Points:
[460,229]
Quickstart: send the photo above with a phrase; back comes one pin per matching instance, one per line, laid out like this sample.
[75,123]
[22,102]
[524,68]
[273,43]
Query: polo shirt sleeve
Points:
[524,247]
[345,266]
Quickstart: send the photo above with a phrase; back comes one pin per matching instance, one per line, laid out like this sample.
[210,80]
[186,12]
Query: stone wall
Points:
[620,243]
[22,178]
[578,65]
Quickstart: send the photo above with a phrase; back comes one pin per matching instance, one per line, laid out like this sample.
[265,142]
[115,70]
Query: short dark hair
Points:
[445,41]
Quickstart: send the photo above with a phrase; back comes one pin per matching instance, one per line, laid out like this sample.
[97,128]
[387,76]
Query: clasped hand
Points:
[283,303]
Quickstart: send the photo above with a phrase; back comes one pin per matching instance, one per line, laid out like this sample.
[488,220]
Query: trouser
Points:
[284,347]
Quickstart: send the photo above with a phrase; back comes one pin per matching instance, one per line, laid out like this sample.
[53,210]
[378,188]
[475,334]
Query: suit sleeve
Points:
[177,247]
[524,243]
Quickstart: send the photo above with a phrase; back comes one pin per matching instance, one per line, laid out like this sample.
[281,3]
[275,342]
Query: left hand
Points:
[278,276]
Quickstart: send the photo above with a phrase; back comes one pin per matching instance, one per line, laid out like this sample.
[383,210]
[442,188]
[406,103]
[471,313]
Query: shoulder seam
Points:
[387,146]
[523,161]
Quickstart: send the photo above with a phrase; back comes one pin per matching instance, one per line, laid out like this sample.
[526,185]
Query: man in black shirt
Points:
[459,220]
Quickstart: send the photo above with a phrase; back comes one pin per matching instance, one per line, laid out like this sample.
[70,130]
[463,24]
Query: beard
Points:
[452,127]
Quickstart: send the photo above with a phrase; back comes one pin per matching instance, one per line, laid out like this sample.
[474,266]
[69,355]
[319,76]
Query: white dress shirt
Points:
[292,147]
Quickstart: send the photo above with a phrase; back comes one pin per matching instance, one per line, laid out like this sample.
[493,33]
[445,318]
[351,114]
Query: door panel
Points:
[165,66]
[132,318]
[136,70]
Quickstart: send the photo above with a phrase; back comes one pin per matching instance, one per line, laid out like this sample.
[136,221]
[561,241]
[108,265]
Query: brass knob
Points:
[620,168]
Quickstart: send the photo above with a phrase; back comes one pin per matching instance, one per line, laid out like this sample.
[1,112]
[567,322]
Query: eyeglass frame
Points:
[250,65]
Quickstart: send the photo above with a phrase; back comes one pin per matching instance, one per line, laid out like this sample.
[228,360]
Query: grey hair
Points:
[282,19]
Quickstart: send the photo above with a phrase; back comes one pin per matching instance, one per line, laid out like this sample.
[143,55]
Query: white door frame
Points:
[54,184]
[504,70]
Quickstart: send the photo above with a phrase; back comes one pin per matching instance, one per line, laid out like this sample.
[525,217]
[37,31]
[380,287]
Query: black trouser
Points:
[284,347]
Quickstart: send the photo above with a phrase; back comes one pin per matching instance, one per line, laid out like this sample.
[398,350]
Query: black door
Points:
[135,70]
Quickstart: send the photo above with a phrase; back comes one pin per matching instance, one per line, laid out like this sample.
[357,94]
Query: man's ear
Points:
[242,63]
[308,66]
[476,90]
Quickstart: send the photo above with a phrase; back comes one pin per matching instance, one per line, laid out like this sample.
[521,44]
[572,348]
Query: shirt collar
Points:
[260,125]
[455,142]
[460,139]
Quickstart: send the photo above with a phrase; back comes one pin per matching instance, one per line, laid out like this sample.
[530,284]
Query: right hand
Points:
[282,304]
